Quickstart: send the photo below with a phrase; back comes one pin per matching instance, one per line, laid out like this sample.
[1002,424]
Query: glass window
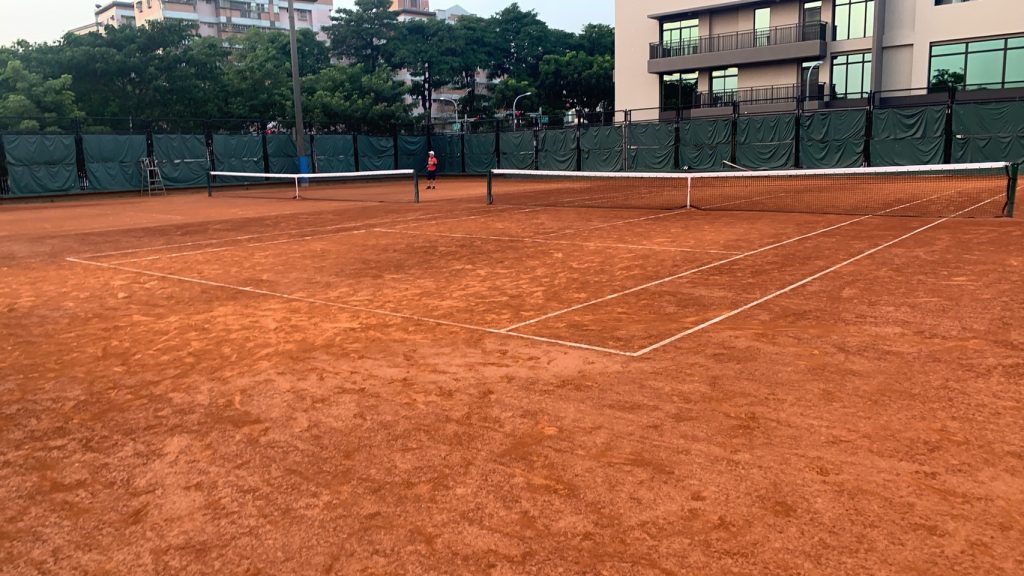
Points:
[851,75]
[675,34]
[762,26]
[854,18]
[677,90]
[980,64]
[1015,69]
[985,70]
[725,80]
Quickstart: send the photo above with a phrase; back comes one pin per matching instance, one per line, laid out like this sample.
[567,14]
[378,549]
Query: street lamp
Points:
[96,17]
[807,83]
[515,120]
[454,103]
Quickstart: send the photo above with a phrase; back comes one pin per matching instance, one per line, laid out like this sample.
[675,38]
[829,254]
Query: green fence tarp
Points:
[705,144]
[376,153]
[517,150]
[556,150]
[448,148]
[907,136]
[182,159]
[765,142]
[233,153]
[601,147]
[832,139]
[41,164]
[988,132]
[113,163]
[652,147]
[282,155]
[412,153]
[480,153]
[335,153]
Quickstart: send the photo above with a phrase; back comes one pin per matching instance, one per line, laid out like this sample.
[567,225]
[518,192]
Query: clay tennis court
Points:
[251,385]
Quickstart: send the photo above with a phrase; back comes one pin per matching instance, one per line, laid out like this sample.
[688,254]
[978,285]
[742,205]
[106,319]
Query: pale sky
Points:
[47,20]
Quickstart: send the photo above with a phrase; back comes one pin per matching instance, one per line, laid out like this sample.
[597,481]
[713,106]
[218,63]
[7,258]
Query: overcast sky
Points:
[46,20]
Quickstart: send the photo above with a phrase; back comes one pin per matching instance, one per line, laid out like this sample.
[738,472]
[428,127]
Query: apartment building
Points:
[109,14]
[218,18]
[696,55]
[420,9]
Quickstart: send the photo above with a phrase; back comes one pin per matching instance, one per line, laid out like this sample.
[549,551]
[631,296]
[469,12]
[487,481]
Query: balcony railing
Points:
[792,34]
[777,94]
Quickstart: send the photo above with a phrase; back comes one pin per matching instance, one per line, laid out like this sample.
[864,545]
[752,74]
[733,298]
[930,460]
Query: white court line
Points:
[211,250]
[468,217]
[265,234]
[711,265]
[807,280]
[351,307]
[605,225]
[542,240]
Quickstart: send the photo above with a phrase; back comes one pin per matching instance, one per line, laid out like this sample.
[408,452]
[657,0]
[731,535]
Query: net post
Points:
[415,187]
[490,189]
[209,184]
[689,191]
[1011,192]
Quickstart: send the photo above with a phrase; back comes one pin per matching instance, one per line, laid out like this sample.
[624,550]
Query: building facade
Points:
[420,9]
[217,18]
[702,54]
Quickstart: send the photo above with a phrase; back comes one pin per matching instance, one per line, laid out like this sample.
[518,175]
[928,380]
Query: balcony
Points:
[779,94]
[794,42]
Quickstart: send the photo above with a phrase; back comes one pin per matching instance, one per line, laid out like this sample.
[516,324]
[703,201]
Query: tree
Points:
[355,99]
[426,49]
[362,35]
[27,95]
[521,40]
[945,79]
[596,40]
[473,40]
[506,92]
[259,74]
[578,81]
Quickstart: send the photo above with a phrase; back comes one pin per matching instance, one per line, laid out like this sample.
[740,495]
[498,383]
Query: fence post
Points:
[735,132]
[627,122]
[497,142]
[868,127]
[394,146]
[355,152]
[947,145]
[83,176]
[266,152]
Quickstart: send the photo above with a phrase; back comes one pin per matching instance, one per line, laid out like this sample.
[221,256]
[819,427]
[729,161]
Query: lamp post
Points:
[96,17]
[454,103]
[807,83]
[515,119]
[300,129]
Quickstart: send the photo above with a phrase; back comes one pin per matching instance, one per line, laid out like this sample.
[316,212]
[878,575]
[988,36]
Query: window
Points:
[762,26]
[851,75]
[978,65]
[812,20]
[724,84]
[677,90]
[680,38]
[302,15]
[809,79]
[945,2]
[854,19]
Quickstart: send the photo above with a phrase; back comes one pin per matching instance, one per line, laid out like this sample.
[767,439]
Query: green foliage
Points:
[578,81]
[596,40]
[362,35]
[355,99]
[28,95]
[506,92]
[948,79]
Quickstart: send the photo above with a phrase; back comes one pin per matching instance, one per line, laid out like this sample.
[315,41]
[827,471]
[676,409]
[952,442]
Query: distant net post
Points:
[1011,192]
[209,184]
[490,189]
[416,187]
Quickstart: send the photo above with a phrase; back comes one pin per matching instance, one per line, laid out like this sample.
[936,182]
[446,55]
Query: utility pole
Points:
[300,129]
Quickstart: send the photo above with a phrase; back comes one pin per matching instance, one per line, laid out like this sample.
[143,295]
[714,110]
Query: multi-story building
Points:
[218,18]
[110,14]
[420,9]
[699,54]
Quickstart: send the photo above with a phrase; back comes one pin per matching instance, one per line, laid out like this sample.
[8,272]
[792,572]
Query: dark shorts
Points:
[432,175]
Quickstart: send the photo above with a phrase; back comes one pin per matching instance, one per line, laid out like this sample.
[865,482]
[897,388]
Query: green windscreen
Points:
[832,139]
[517,150]
[412,153]
[335,153]
[38,165]
[376,153]
[556,150]
[601,147]
[113,162]
[234,153]
[652,147]
[282,153]
[765,142]
[908,136]
[705,144]
[988,132]
[480,153]
[448,148]
[182,159]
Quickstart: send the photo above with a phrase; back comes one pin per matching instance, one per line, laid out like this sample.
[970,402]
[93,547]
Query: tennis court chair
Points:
[152,181]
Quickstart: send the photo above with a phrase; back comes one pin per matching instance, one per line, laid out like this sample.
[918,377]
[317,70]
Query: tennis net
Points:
[940,191]
[378,186]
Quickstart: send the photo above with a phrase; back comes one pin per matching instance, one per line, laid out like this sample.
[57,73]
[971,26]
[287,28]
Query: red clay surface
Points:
[257,386]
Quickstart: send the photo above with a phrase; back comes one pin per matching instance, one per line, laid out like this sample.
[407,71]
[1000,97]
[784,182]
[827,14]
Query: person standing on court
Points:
[431,171]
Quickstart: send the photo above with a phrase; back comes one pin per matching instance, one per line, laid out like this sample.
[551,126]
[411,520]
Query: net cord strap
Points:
[297,178]
[764,173]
